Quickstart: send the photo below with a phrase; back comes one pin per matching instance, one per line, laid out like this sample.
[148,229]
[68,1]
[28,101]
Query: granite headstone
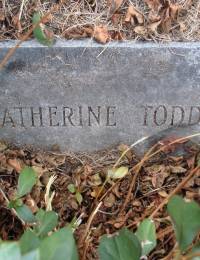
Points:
[84,96]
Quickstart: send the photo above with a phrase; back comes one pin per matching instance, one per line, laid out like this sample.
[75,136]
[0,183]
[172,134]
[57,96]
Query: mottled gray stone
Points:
[85,96]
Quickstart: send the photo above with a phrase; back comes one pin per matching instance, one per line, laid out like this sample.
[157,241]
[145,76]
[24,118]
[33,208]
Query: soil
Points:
[157,177]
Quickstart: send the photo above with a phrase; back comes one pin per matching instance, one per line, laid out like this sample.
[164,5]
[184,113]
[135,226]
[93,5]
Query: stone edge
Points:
[88,43]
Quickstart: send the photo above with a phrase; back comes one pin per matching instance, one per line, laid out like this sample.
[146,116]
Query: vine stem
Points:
[26,36]
[176,190]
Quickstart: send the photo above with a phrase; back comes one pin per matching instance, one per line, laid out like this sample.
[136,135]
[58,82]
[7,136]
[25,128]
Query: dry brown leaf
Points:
[183,26]
[158,179]
[163,193]
[177,169]
[101,34]
[191,162]
[96,191]
[115,5]
[125,148]
[140,30]
[153,4]
[153,16]
[174,10]
[109,200]
[159,174]
[166,21]
[133,13]
[154,26]
[15,164]
[30,202]
[2,16]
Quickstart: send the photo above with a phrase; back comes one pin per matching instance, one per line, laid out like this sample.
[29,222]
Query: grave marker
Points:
[85,96]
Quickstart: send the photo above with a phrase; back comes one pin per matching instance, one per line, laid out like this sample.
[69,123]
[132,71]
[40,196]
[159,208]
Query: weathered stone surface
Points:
[85,96]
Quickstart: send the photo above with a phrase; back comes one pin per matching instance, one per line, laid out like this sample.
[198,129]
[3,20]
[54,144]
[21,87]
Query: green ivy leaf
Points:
[10,251]
[25,214]
[41,32]
[71,188]
[79,197]
[33,255]
[15,203]
[146,233]
[47,221]
[60,245]
[27,179]
[186,219]
[123,246]
[29,242]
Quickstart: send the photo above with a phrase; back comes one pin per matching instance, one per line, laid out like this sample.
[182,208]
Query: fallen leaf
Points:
[2,15]
[183,26]
[140,30]
[163,193]
[133,13]
[153,16]
[154,26]
[125,148]
[170,144]
[174,10]
[177,169]
[159,174]
[14,163]
[191,162]
[96,180]
[115,5]
[117,173]
[96,191]
[3,146]
[109,200]
[154,4]
[30,202]
[101,34]
[158,179]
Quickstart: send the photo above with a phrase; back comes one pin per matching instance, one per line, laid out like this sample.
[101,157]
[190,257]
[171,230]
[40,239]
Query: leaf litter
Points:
[85,175]
[105,20]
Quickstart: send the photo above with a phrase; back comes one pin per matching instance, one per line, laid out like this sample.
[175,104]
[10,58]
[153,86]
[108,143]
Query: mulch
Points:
[157,178]
[106,20]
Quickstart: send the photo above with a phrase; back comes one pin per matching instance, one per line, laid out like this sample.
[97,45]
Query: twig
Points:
[129,148]
[4,195]
[12,209]
[89,222]
[176,190]
[21,9]
[26,36]
[137,169]
[146,157]
[191,256]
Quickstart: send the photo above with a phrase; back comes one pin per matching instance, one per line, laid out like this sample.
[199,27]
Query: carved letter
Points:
[163,121]
[110,112]
[145,123]
[80,116]
[67,116]
[51,113]
[174,108]
[33,114]
[21,115]
[97,117]
[191,115]
[7,119]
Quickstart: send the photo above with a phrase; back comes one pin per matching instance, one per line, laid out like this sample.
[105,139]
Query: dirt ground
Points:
[125,202]
[105,20]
